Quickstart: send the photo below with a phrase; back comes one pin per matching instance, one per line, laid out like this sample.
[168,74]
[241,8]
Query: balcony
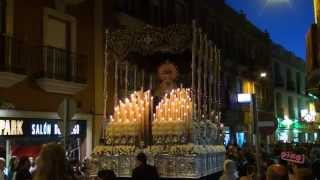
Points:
[62,72]
[12,56]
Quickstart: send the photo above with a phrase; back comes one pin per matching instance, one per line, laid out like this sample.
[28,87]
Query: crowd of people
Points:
[242,163]
[51,164]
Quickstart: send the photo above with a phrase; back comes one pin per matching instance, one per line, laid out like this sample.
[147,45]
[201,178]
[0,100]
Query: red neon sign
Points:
[292,157]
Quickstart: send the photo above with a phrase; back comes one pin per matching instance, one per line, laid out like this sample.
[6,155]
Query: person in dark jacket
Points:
[144,171]
[315,157]
[23,172]
[106,175]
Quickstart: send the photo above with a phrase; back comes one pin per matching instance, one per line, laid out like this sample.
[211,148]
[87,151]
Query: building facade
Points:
[49,51]
[246,56]
[313,63]
[295,110]
[55,49]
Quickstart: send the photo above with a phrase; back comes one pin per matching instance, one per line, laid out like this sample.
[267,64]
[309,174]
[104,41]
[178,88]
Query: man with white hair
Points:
[229,170]
[2,168]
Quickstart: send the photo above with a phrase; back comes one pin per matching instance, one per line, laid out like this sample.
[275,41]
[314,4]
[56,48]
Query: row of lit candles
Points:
[177,106]
[130,114]
[171,114]
[132,110]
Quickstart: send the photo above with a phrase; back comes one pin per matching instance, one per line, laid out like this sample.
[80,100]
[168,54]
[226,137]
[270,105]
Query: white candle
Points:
[151,101]
[116,112]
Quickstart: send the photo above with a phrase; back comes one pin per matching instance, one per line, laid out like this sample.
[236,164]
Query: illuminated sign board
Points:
[244,98]
[308,116]
[11,127]
[47,129]
[39,127]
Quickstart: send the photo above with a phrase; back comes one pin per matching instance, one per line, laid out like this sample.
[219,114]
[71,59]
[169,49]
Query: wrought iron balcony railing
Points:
[12,55]
[63,65]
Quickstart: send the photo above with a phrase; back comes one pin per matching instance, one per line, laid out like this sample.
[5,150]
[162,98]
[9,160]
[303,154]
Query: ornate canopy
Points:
[148,40]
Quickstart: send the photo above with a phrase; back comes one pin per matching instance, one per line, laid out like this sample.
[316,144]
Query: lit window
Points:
[283,136]
[248,87]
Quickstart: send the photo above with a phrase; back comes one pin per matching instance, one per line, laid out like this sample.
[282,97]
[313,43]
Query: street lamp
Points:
[263,75]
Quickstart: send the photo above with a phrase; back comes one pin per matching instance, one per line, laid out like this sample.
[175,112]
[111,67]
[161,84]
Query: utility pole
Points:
[256,133]
[66,110]
[66,123]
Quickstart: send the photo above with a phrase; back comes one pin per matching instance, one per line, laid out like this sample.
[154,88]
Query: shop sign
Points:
[48,129]
[244,98]
[39,127]
[11,127]
[308,116]
[292,157]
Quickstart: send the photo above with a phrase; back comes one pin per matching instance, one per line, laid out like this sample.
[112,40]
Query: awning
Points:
[30,151]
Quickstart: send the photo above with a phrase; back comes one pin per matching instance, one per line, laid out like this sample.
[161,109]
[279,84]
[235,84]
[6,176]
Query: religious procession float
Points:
[162,89]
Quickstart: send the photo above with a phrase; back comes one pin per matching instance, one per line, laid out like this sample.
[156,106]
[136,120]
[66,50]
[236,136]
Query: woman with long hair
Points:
[52,164]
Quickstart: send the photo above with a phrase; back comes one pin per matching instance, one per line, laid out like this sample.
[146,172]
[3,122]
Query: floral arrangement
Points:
[115,150]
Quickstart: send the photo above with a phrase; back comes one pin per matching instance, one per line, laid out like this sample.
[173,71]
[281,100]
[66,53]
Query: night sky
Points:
[287,21]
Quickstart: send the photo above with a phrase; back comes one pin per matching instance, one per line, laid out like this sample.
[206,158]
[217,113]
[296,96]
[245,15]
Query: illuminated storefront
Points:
[227,136]
[22,133]
[297,131]
[288,130]
[26,135]
[303,130]
[241,138]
